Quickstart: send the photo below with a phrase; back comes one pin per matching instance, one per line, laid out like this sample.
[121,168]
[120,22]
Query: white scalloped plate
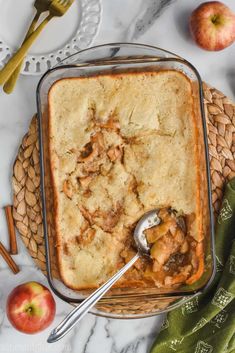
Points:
[62,36]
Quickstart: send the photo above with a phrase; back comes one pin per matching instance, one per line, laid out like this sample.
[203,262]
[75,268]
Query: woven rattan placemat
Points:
[220,115]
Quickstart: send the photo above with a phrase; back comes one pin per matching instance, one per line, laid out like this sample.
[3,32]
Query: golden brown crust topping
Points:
[112,124]
[67,189]
[115,153]
[126,150]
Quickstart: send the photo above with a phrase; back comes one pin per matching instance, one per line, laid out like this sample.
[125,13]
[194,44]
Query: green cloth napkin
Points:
[206,323]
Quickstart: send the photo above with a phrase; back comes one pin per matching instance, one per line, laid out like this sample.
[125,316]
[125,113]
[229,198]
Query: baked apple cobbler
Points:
[121,145]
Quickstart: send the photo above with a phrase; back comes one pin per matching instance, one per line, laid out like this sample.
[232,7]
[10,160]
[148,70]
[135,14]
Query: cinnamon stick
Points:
[11,230]
[9,260]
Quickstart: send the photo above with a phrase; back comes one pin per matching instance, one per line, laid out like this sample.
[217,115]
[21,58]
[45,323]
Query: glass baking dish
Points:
[114,58]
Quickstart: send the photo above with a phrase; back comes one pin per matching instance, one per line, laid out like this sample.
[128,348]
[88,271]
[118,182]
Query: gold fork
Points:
[41,6]
[57,8]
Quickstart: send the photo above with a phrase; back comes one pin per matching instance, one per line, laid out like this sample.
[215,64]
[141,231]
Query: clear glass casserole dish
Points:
[114,58]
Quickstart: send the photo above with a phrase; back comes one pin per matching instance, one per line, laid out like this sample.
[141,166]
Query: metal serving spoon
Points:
[149,220]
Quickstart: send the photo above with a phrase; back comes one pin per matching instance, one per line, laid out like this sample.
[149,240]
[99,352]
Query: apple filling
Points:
[173,252]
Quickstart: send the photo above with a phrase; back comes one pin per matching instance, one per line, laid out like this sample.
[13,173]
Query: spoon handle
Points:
[77,313]
[11,82]
[12,64]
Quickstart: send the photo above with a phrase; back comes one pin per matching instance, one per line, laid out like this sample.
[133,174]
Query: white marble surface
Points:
[123,20]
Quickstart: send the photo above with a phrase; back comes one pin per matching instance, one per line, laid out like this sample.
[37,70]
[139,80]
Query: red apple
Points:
[212,25]
[30,307]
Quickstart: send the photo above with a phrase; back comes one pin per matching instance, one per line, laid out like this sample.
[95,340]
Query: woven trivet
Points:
[220,115]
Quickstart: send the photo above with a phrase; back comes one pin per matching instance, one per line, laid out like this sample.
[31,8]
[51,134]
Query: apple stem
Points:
[215,19]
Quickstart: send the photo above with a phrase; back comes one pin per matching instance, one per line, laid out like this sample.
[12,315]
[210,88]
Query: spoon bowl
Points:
[148,220]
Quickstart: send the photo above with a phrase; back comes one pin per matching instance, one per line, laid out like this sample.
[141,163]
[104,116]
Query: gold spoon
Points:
[57,8]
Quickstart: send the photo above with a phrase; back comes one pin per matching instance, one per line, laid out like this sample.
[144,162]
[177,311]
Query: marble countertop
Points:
[162,23]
